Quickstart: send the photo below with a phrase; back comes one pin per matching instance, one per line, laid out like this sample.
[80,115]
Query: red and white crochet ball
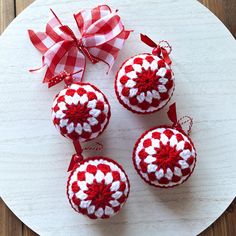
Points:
[98,187]
[81,112]
[144,84]
[164,157]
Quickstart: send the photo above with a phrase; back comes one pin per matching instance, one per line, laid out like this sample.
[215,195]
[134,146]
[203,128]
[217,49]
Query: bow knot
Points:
[63,75]
[162,49]
[99,35]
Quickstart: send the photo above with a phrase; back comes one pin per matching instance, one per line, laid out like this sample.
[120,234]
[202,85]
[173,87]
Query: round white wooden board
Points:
[34,157]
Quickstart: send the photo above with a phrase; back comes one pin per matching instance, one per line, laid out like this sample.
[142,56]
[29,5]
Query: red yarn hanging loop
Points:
[179,123]
[186,120]
[78,157]
[97,147]
[162,49]
[166,45]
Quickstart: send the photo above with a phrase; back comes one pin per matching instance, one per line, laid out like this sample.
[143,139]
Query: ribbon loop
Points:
[162,49]
[178,123]
[100,36]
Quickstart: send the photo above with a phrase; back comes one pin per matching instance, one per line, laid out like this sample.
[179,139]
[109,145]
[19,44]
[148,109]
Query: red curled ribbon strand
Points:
[158,49]
[98,34]
[178,123]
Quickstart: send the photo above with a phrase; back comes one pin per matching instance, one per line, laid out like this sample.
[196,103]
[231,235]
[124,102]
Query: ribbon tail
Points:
[172,114]
[38,69]
[86,52]
[148,41]
[76,158]
[54,80]
[77,147]
[166,57]
[56,17]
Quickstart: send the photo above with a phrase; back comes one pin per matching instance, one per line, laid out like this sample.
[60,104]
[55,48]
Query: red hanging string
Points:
[78,157]
[189,120]
[178,123]
[99,147]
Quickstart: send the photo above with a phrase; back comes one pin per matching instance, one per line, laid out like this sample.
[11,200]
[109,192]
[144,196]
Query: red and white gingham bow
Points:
[100,37]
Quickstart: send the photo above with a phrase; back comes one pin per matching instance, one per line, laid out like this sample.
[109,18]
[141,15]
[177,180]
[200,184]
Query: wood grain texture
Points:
[225,10]
[225,225]
[9,223]
[20,5]
[7,13]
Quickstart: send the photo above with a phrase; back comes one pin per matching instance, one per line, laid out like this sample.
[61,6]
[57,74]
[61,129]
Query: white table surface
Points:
[34,157]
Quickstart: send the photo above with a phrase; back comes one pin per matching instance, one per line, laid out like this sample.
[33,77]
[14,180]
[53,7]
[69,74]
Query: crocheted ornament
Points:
[164,156]
[98,187]
[81,112]
[145,83]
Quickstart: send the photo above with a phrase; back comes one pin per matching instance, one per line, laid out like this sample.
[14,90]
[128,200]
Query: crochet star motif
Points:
[77,113]
[167,157]
[99,194]
[147,80]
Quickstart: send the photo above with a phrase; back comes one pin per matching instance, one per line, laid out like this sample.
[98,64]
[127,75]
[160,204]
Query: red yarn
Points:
[81,112]
[75,113]
[147,80]
[100,189]
[144,88]
[157,159]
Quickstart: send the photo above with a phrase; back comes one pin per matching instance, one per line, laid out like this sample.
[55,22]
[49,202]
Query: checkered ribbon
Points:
[99,35]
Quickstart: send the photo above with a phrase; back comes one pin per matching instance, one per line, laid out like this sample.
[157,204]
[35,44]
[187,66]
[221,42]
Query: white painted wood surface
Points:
[34,158]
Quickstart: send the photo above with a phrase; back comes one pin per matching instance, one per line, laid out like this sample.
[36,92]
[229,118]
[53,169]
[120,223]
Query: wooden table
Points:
[225,225]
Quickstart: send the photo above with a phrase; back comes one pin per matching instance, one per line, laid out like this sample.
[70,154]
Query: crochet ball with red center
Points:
[144,84]
[98,187]
[81,112]
[164,157]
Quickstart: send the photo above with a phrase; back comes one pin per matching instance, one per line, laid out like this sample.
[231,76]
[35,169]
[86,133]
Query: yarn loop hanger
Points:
[179,123]
[78,157]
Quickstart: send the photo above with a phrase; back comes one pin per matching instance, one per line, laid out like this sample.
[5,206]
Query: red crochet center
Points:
[99,193]
[146,81]
[80,113]
[163,162]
